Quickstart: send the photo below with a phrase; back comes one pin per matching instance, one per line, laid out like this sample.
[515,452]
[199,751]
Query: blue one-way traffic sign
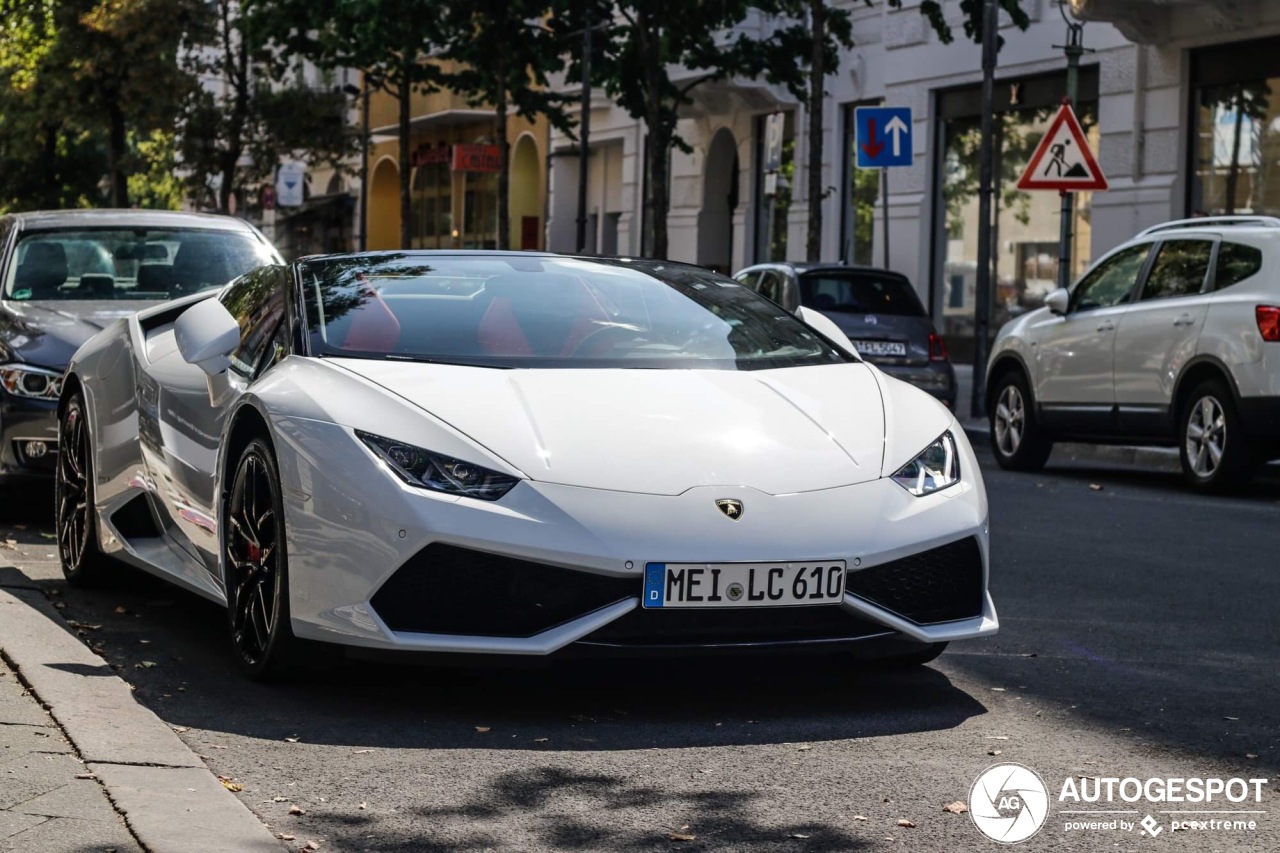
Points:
[883,137]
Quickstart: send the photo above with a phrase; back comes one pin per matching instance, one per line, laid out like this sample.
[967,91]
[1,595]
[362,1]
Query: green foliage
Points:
[155,185]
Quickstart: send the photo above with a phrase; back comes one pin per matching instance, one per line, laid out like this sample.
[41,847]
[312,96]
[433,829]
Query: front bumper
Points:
[23,420]
[378,564]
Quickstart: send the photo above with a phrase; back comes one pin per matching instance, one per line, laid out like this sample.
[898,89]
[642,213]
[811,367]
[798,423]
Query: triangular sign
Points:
[1062,160]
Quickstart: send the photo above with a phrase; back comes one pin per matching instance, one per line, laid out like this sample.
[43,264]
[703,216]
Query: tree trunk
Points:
[817,76]
[504,167]
[659,187]
[406,200]
[116,150]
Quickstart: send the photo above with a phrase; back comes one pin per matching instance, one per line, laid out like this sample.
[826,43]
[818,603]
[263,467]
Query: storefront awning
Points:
[1149,21]
[444,118]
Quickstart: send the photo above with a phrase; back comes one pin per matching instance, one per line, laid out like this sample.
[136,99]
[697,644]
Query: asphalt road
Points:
[1139,638]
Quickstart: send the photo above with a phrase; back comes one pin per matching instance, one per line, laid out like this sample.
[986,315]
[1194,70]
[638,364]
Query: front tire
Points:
[83,563]
[1017,439]
[1215,454]
[256,567]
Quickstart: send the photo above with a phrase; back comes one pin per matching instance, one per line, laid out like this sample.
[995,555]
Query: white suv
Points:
[1171,339]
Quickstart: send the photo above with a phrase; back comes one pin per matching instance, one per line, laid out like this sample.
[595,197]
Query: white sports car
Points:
[520,454]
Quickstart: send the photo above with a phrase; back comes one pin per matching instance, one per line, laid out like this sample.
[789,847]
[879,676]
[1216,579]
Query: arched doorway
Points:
[384,206]
[526,194]
[719,200]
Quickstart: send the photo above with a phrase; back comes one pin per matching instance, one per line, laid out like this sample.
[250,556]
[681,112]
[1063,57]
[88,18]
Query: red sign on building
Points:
[430,155]
[475,158]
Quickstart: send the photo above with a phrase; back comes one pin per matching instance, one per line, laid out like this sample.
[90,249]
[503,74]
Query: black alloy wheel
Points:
[82,561]
[256,566]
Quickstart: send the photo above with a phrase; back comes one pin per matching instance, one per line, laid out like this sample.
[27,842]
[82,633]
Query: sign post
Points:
[774,127]
[884,139]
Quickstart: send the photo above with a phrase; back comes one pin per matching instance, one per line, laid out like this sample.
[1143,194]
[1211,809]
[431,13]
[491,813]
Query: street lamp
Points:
[1073,14]
[986,192]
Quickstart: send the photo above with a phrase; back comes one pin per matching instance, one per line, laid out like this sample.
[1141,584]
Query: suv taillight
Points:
[1268,322]
[938,347]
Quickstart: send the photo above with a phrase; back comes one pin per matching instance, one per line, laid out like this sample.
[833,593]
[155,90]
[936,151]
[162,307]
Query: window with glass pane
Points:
[1112,281]
[1180,269]
[1236,262]
[1238,150]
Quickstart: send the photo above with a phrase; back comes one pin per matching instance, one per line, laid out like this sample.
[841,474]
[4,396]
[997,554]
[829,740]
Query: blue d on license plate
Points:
[743,584]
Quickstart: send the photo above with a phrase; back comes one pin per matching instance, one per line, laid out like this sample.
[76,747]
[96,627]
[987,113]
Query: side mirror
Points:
[1058,302]
[206,335]
[824,324]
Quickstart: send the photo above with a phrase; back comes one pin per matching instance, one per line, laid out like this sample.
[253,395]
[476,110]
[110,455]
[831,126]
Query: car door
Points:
[186,425]
[1074,354]
[1157,335]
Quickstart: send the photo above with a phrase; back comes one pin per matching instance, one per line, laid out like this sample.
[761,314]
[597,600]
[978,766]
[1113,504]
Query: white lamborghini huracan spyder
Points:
[520,454]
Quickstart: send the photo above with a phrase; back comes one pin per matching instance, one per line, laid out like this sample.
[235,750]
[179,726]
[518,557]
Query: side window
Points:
[1180,269]
[256,300]
[750,279]
[1236,262]
[1111,282]
[771,286]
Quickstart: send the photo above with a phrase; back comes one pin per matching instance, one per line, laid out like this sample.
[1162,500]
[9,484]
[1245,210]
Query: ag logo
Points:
[1009,803]
[731,508]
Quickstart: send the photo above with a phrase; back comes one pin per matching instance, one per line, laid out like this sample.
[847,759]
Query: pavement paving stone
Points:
[44,808]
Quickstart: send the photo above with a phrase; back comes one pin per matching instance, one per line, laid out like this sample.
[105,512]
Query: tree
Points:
[824,29]
[651,55]
[123,59]
[387,40]
[253,114]
[500,55]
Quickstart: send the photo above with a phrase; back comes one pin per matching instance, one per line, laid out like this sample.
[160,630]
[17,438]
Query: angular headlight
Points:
[936,468]
[437,472]
[23,380]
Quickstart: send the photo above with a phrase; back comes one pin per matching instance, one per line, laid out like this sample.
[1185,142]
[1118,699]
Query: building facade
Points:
[453,179]
[1180,99]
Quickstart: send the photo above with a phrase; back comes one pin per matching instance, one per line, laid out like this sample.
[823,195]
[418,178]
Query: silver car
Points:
[879,311]
[65,275]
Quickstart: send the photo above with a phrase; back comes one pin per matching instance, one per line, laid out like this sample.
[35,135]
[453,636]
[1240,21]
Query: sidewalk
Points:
[48,800]
[84,768]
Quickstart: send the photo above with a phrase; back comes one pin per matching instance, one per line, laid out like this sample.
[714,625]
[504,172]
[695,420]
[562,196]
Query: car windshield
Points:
[129,263]
[859,292]
[536,311]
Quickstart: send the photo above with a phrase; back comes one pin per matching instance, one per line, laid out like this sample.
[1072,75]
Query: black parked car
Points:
[879,311]
[66,275]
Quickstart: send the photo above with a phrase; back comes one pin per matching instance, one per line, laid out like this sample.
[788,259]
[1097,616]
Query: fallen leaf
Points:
[998,689]
[994,751]
[86,776]
[363,806]
[483,729]
[797,835]
[291,740]
[997,737]
[180,729]
[902,821]
[1094,487]
[121,609]
[231,785]
[541,739]
[146,664]
[297,810]
[804,748]
[311,845]
[145,642]
[11,544]
[216,746]
[955,808]
[1250,755]
[682,836]
[859,817]
[47,535]
[60,605]
[1232,719]
[284,836]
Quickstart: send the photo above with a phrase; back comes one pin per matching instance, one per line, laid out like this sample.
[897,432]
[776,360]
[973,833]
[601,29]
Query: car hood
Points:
[47,333]
[659,431]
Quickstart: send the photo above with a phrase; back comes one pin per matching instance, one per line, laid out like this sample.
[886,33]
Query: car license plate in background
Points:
[743,584]
[880,347]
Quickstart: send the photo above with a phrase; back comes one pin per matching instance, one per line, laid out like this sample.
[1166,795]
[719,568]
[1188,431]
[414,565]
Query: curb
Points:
[1164,459]
[170,800]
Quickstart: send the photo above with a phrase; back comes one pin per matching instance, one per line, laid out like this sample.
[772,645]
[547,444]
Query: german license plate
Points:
[880,347]
[743,584]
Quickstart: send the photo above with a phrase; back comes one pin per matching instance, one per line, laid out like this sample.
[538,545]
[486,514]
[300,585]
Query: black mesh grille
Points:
[941,585]
[679,626]
[448,590]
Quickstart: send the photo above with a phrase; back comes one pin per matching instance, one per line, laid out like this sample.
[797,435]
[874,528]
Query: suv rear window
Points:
[1236,262]
[856,292]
